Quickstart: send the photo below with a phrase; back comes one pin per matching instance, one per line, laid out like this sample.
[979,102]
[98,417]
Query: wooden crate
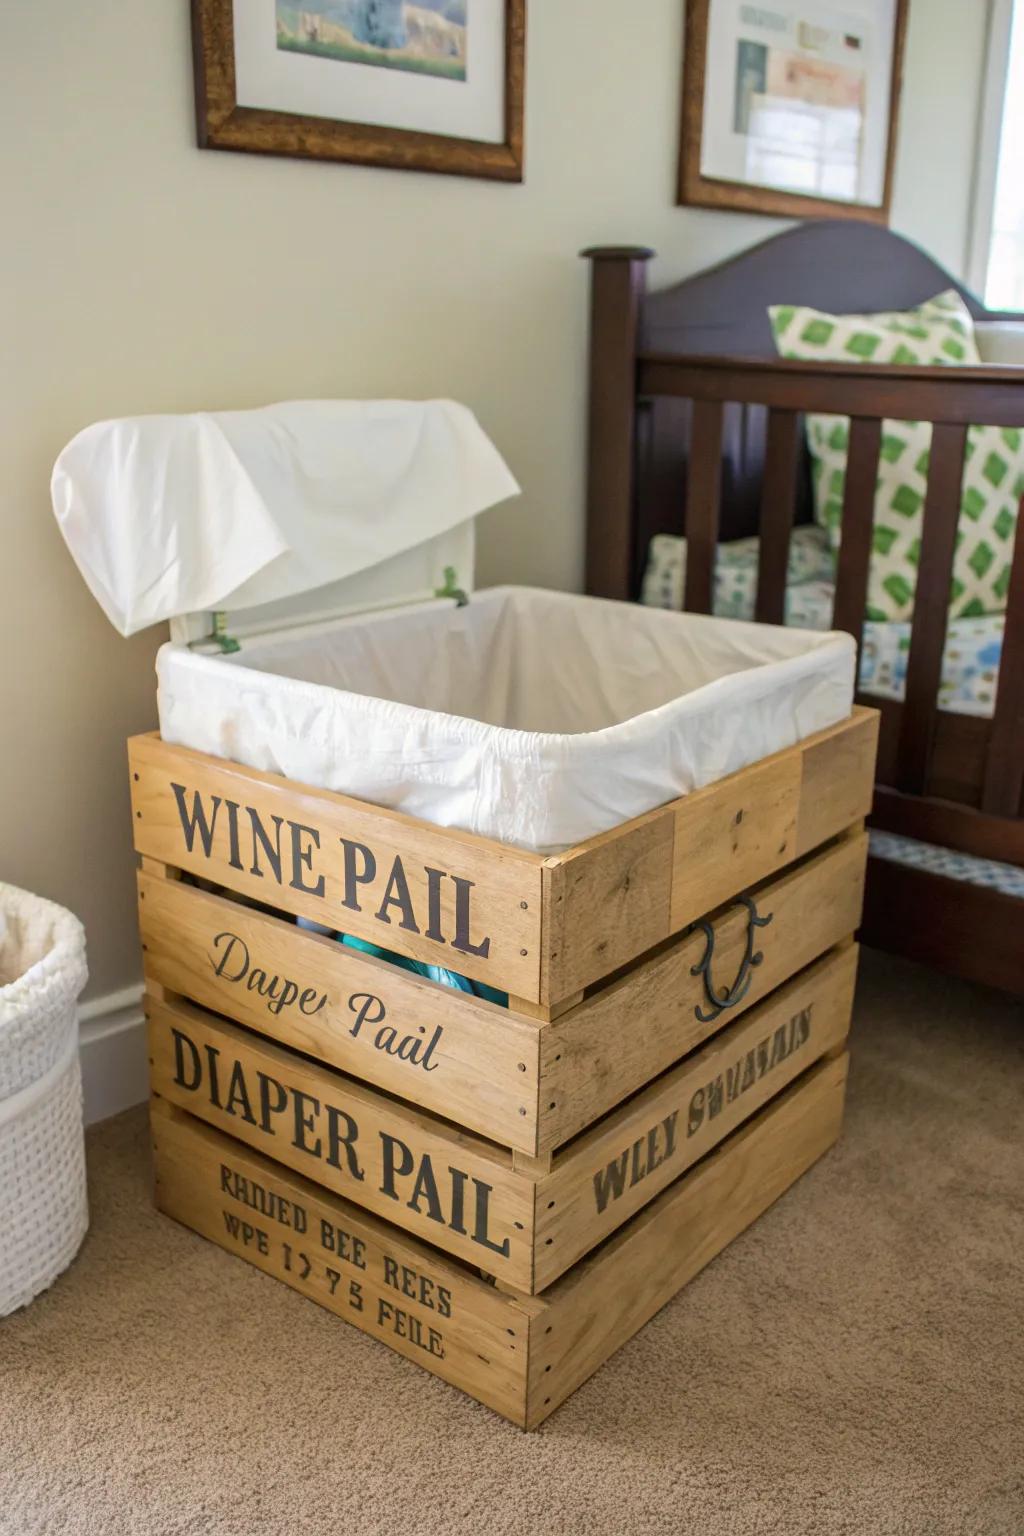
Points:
[522,1356]
[679,989]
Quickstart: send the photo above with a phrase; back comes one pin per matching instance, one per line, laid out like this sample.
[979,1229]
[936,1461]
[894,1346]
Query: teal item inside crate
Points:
[432,972]
[437,973]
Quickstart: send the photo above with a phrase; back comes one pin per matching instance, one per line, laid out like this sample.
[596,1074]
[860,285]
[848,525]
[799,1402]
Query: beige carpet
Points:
[852,1364]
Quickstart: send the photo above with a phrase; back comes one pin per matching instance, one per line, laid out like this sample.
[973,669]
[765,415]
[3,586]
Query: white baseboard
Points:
[112,1046]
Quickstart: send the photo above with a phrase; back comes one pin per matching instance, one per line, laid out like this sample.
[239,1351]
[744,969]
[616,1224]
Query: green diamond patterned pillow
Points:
[939,331]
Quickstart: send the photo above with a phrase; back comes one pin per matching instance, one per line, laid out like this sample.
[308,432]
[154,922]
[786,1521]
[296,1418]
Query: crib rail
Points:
[952,400]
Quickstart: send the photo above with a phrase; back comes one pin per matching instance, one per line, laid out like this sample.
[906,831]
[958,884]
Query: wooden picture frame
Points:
[701,190]
[221,123]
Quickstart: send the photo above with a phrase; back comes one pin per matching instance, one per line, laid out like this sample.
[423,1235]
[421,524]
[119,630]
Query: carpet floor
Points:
[853,1363]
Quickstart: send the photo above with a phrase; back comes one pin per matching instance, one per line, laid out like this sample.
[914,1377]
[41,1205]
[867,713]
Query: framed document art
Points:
[434,85]
[790,106]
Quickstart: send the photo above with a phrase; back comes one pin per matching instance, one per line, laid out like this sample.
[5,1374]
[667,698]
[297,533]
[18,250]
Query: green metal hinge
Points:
[451,588]
[218,637]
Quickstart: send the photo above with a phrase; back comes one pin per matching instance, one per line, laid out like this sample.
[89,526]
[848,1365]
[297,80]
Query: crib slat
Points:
[858,525]
[778,505]
[931,607]
[703,494]
[1003,789]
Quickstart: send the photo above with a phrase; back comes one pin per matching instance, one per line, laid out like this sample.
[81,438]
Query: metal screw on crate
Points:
[720,1001]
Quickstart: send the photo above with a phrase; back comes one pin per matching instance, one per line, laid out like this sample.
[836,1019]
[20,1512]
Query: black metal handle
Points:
[720,1001]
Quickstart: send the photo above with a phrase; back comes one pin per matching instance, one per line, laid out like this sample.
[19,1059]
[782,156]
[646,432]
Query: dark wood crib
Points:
[695,428]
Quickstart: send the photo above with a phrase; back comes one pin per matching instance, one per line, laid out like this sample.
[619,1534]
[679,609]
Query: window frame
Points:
[991,109]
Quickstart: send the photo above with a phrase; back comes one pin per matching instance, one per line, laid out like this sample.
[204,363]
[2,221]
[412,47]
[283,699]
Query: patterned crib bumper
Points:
[970,663]
[1008,879]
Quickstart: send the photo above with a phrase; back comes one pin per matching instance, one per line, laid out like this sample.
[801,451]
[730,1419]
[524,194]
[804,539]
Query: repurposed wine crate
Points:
[522,1356]
[666,982]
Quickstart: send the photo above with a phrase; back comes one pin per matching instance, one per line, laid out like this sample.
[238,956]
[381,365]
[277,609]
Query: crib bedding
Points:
[536,718]
[973,645]
[990,874]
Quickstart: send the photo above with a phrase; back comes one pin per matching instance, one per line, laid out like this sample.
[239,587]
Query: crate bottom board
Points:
[520,1355]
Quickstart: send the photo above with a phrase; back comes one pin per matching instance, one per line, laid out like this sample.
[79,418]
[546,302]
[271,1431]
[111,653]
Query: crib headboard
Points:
[830,264]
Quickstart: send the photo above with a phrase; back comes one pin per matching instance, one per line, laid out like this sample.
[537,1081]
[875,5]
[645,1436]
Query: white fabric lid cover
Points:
[169,515]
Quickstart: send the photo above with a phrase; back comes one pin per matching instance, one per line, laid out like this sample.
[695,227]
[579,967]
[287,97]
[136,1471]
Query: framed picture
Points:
[419,85]
[790,106]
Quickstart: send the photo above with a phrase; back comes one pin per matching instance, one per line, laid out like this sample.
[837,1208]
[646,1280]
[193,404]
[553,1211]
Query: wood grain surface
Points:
[521,1356]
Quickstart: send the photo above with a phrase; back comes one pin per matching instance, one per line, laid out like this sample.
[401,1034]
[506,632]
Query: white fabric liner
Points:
[1000,341]
[174,515]
[537,718]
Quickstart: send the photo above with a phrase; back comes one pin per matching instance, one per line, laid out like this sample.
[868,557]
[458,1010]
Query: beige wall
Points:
[138,274]
[942,83]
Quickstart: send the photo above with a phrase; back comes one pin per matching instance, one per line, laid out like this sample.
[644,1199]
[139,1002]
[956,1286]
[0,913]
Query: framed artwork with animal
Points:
[435,85]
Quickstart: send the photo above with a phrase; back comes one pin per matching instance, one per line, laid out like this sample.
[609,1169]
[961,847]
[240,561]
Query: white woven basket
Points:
[43,1210]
